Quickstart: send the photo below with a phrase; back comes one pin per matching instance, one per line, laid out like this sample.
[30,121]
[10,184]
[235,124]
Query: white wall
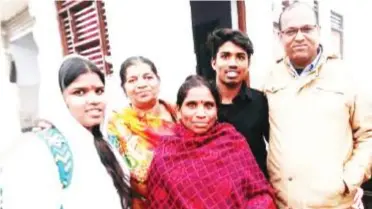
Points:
[260,31]
[357,40]
[159,30]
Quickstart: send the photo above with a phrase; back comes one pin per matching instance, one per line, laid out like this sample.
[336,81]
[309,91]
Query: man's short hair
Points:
[293,5]
[220,36]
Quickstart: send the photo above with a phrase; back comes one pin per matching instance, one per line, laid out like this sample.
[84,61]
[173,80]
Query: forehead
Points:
[86,80]
[200,93]
[298,16]
[138,69]
[230,47]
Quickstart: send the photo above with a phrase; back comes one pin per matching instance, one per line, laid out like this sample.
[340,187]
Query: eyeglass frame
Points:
[296,30]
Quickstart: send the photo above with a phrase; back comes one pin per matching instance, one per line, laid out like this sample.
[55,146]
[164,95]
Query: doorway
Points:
[206,17]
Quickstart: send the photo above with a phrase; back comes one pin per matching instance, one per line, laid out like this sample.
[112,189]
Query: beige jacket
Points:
[320,136]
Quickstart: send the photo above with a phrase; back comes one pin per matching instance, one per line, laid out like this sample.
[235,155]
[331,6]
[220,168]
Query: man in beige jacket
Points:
[320,147]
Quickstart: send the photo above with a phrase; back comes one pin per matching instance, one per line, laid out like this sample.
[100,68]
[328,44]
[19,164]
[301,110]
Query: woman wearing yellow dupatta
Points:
[135,130]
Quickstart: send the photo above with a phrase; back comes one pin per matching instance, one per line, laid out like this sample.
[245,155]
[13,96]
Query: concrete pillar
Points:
[9,103]
[49,51]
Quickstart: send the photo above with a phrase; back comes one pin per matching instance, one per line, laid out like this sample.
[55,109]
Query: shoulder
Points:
[27,144]
[271,72]
[354,80]
[229,131]
[30,174]
[336,63]
[170,108]
[258,97]
[226,128]
[117,117]
[167,104]
[257,93]
[340,72]
[116,112]
[30,149]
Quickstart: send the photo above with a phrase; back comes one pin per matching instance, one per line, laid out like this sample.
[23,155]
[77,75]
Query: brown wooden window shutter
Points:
[83,29]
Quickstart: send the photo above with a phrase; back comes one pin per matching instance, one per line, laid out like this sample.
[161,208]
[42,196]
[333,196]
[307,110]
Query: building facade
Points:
[37,34]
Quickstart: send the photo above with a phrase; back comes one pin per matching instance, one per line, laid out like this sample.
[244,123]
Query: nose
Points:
[200,112]
[94,98]
[232,62]
[299,36]
[141,83]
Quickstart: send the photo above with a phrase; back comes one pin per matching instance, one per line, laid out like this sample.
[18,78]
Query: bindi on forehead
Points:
[87,87]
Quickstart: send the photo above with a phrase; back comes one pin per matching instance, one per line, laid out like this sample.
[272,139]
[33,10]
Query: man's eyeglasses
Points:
[307,29]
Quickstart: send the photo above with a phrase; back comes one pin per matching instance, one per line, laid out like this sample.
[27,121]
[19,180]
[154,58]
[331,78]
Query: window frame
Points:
[337,25]
[99,43]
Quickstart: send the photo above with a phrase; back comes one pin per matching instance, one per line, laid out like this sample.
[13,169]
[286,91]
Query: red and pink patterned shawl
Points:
[210,171]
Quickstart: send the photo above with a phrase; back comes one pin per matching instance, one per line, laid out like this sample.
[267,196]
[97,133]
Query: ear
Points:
[213,63]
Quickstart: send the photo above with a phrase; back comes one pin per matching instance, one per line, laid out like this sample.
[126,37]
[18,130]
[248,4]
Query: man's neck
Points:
[303,65]
[227,94]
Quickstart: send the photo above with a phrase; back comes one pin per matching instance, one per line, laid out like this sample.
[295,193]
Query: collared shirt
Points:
[308,69]
[249,115]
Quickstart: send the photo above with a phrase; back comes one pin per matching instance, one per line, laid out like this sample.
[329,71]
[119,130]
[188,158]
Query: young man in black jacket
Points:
[241,106]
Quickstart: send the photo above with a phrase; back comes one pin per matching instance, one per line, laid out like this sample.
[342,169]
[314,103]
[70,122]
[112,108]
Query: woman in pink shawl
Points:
[205,164]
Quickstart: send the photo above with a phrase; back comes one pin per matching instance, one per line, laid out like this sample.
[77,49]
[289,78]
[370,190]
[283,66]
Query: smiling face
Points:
[84,98]
[141,85]
[198,110]
[300,35]
[231,64]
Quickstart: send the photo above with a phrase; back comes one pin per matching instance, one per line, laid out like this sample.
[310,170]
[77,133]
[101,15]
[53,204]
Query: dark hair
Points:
[290,7]
[112,166]
[193,81]
[70,69]
[73,67]
[132,61]
[220,36]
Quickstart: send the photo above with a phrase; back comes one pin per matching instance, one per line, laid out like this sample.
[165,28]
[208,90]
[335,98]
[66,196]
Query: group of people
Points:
[302,141]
